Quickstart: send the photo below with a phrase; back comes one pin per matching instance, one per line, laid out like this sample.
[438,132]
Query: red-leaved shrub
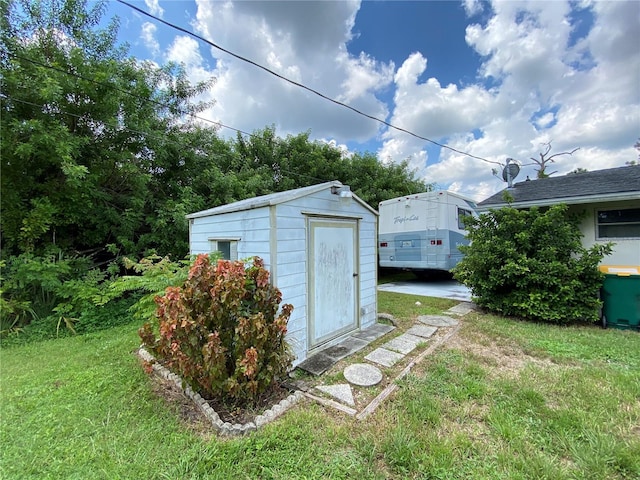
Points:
[221,331]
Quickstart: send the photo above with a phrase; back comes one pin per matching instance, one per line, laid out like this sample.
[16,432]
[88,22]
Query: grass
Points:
[507,399]
[404,309]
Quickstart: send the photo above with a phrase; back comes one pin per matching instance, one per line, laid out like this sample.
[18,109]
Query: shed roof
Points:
[622,183]
[275,199]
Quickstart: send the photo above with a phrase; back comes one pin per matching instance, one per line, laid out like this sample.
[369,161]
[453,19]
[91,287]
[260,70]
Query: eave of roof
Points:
[622,183]
[274,199]
[581,200]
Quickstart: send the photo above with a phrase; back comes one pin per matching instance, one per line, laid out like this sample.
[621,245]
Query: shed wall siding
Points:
[250,226]
[368,270]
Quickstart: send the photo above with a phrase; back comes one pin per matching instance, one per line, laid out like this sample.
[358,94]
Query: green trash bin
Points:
[621,297]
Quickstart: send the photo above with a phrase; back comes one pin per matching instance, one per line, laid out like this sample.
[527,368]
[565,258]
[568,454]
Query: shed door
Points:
[333,279]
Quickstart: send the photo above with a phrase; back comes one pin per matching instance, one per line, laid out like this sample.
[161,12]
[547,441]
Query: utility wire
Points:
[144,99]
[309,89]
[126,92]
[139,132]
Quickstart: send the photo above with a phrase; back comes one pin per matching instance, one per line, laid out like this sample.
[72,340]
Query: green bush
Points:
[153,275]
[221,331]
[52,286]
[531,264]
[90,320]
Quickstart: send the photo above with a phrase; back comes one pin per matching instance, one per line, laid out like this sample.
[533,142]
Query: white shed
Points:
[319,244]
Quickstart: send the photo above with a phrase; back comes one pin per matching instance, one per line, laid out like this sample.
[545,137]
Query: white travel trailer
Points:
[422,232]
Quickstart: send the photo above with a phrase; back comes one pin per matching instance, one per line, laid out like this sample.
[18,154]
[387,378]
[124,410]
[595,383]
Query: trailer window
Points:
[461,214]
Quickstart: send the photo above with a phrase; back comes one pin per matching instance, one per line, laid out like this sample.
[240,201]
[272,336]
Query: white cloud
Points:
[154,8]
[306,42]
[545,120]
[544,88]
[432,111]
[536,84]
[364,75]
[472,7]
[185,50]
[148,35]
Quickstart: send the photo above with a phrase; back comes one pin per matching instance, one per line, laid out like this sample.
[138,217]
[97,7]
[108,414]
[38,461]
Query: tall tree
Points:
[82,130]
[272,164]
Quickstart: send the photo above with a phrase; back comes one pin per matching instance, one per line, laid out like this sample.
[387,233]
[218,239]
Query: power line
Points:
[144,99]
[121,90]
[309,89]
[140,132]
[75,115]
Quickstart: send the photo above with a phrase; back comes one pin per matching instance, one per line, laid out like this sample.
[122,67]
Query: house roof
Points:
[622,183]
[275,199]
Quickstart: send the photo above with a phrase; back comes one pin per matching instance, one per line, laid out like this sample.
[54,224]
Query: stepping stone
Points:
[373,333]
[437,320]
[345,348]
[341,392]
[384,357]
[462,308]
[317,364]
[403,344]
[320,362]
[420,330]
[363,375]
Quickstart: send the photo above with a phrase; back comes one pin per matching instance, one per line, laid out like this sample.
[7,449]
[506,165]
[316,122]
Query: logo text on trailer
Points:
[399,219]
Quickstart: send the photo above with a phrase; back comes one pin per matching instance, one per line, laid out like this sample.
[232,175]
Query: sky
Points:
[494,79]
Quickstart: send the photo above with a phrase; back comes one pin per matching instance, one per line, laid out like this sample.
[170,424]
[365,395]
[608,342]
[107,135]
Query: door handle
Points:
[355,274]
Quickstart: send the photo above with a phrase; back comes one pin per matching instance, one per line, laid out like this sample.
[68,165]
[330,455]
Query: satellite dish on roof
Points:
[510,172]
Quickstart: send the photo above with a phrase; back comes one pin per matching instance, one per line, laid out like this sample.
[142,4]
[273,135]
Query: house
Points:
[319,244]
[610,199]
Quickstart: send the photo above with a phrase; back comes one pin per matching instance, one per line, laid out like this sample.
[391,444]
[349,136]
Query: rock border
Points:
[223,428]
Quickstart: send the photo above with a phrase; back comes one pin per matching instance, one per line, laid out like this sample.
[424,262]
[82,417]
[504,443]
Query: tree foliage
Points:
[83,131]
[221,331]
[531,264]
[272,164]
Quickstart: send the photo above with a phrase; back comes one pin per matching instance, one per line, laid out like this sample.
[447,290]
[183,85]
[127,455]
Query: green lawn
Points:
[507,399]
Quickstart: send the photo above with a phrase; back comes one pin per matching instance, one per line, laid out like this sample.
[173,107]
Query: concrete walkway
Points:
[437,288]
[320,362]
[396,349]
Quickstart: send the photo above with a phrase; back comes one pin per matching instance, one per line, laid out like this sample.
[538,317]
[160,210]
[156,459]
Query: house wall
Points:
[279,235]
[626,251]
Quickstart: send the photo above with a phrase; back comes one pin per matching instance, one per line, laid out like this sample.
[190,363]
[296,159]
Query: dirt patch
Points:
[504,359]
[192,416]
[246,414]
[188,412]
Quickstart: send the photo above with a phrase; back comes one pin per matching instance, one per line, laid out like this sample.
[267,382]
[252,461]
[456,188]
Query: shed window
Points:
[623,223]
[461,214]
[227,248]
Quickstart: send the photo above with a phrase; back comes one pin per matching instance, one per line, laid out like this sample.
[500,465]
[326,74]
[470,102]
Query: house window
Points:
[623,223]
[228,248]
[461,214]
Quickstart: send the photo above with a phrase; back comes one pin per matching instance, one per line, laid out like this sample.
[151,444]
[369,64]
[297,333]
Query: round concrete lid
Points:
[362,374]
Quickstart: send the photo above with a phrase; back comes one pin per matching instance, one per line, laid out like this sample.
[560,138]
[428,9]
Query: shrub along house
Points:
[319,244]
[609,198]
